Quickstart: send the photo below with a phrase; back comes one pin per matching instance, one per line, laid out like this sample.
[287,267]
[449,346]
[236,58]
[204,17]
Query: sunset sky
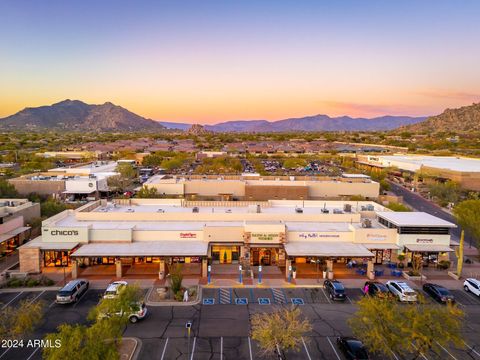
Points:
[211,61]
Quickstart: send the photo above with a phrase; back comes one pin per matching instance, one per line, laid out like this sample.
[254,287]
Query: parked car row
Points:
[400,290]
[74,290]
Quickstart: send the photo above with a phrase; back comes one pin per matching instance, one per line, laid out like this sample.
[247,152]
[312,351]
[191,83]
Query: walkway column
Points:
[161,269]
[204,267]
[74,269]
[118,268]
[329,265]
[288,263]
[370,270]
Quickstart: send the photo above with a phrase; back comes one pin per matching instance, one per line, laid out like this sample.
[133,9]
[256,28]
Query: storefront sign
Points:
[317,236]
[376,237]
[63,232]
[261,237]
[188,235]
[424,241]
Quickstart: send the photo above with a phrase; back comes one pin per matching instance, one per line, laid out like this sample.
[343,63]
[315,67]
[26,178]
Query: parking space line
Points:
[33,353]
[323,291]
[4,306]
[250,348]
[306,350]
[333,347]
[420,352]
[394,355]
[446,350]
[472,349]
[348,298]
[81,297]
[5,352]
[221,347]
[36,297]
[164,349]
[193,347]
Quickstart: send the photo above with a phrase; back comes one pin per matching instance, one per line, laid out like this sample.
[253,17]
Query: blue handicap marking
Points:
[209,301]
[241,301]
[297,301]
[264,301]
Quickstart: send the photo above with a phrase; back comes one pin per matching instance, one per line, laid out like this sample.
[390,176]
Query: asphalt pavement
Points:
[221,330]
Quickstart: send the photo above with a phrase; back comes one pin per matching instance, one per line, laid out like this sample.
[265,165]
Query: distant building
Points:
[254,187]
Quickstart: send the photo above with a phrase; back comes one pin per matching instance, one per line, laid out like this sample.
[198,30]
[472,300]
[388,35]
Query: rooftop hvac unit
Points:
[347,208]
[130,210]
[370,207]
[195,209]
[337,211]
[325,211]
[367,223]
[299,210]
[259,209]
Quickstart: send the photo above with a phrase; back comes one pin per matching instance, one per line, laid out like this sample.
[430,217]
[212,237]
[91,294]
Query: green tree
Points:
[467,214]
[279,331]
[445,193]
[147,192]
[126,171]
[154,159]
[387,327]
[19,321]
[101,339]
[51,207]
[398,207]
[7,190]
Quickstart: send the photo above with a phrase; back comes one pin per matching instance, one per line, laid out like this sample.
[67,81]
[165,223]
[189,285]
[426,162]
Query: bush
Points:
[444,264]
[413,273]
[45,281]
[32,283]
[179,295]
[15,282]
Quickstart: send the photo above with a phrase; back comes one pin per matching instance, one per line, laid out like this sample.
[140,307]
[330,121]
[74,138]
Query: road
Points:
[419,203]
[221,331]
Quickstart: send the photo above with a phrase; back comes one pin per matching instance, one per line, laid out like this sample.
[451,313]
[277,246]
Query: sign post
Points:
[240,279]
[188,326]
[209,271]
[290,274]
[259,274]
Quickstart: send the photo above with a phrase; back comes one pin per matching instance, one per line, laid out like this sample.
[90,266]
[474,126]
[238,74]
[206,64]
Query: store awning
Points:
[146,248]
[326,249]
[428,248]
[371,246]
[78,192]
[17,231]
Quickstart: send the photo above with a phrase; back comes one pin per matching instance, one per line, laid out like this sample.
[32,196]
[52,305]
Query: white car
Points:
[402,291]
[472,285]
[113,289]
[136,312]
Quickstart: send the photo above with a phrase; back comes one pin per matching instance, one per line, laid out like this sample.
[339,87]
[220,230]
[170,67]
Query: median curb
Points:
[175,303]
[30,289]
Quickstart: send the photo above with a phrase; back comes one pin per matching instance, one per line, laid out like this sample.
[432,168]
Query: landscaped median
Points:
[166,296]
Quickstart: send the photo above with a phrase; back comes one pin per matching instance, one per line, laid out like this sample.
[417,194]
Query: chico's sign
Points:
[64,232]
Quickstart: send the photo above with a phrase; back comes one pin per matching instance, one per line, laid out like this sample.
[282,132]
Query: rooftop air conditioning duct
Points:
[195,209]
[367,223]
[259,209]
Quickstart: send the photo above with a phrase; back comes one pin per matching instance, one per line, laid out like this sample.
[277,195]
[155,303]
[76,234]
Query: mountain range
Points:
[75,115]
[463,119]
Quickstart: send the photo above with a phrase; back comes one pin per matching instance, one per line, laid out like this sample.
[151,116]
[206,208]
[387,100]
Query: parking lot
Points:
[221,330]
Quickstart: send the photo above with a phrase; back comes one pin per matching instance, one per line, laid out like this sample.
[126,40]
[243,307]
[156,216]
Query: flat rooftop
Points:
[415,219]
[460,164]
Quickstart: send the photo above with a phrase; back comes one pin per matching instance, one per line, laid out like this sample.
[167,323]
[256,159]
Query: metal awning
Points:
[373,246]
[326,249]
[144,248]
[17,231]
[78,192]
[428,248]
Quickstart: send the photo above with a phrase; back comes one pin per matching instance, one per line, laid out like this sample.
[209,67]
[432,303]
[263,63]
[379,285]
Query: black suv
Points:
[335,289]
[439,293]
[376,288]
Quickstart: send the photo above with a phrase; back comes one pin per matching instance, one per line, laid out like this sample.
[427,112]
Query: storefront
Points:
[225,254]
[53,258]
[264,256]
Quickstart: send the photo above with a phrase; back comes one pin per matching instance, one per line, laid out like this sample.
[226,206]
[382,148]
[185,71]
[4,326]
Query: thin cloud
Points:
[356,109]
[447,94]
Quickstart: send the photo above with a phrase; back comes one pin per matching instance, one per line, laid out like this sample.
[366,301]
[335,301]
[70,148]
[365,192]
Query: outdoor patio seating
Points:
[379,272]
[361,271]
[392,265]
[397,273]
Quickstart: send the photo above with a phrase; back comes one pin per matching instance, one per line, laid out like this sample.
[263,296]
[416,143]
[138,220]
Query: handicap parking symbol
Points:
[298,301]
[241,301]
[264,301]
[209,301]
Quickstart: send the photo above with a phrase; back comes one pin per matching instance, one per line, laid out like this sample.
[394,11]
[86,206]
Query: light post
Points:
[188,326]
[209,271]
[240,279]
[290,273]
[259,274]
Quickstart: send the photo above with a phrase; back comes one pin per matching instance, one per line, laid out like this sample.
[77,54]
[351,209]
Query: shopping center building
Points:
[148,235]
[254,187]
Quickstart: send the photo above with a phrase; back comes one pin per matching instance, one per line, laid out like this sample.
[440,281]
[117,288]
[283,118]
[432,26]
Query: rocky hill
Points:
[74,115]
[466,118]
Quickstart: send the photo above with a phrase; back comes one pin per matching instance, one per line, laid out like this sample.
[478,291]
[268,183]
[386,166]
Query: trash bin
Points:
[161,275]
